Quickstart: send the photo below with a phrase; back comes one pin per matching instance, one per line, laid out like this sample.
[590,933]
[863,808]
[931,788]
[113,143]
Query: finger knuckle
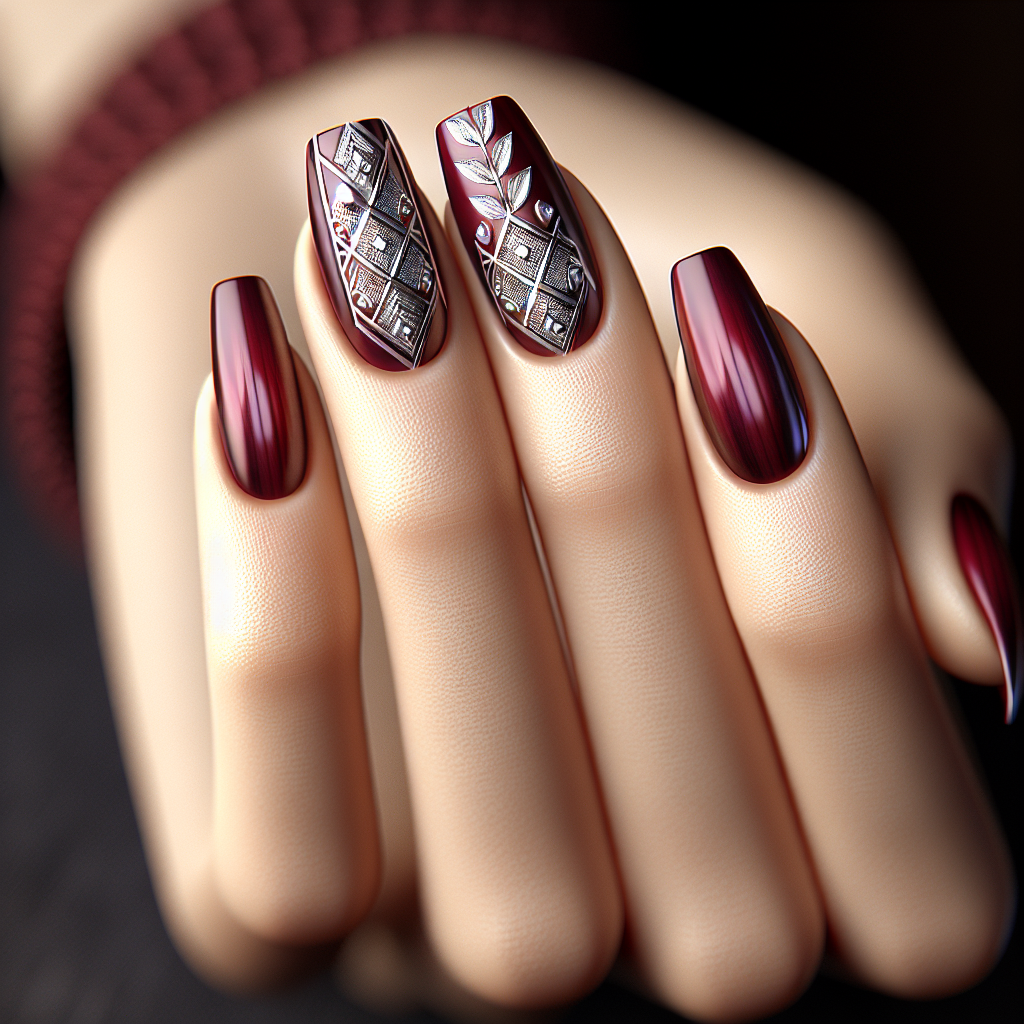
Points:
[598,479]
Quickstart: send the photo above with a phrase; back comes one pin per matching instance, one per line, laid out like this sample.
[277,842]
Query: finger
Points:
[721,903]
[295,837]
[929,433]
[517,882]
[915,878]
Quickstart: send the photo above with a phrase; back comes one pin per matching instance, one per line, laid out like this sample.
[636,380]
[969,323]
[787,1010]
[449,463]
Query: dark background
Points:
[917,108]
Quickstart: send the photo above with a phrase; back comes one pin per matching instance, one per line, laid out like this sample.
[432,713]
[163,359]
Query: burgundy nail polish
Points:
[374,245]
[258,399]
[742,379]
[989,571]
[515,214]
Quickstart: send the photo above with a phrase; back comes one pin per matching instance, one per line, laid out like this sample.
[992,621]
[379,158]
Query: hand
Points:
[737,831]
[976,412]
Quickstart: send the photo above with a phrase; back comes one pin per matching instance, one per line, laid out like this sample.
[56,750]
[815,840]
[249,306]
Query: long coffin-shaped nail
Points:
[515,214]
[374,245]
[258,399]
[989,571]
[742,379]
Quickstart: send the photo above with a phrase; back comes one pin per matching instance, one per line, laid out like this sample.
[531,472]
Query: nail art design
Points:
[261,419]
[513,209]
[989,571]
[740,372]
[374,246]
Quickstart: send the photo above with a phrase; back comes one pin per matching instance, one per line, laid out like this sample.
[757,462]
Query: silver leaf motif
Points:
[483,115]
[518,188]
[502,153]
[462,131]
[489,206]
[475,170]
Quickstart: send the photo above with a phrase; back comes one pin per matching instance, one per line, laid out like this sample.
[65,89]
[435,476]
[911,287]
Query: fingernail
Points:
[989,571]
[258,399]
[739,369]
[516,217]
[374,245]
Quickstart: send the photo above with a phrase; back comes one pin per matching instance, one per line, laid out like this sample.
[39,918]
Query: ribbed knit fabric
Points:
[224,53]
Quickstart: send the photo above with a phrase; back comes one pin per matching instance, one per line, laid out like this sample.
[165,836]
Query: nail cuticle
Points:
[986,565]
[743,381]
[374,246]
[259,406]
[520,225]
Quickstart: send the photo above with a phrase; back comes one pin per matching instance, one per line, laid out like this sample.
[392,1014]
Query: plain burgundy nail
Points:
[258,399]
[515,213]
[989,571]
[739,369]
[374,245]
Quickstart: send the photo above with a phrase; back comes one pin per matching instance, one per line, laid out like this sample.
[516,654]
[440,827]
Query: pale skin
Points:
[725,810]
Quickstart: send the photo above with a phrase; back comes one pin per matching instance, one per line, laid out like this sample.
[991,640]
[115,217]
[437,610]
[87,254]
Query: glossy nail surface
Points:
[258,399]
[742,379]
[374,245]
[989,571]
[515,214]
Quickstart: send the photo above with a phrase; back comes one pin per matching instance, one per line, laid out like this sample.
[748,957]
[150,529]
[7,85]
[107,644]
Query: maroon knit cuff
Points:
[226,52]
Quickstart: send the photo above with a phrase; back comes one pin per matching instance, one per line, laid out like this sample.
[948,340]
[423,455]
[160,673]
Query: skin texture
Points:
[925,429]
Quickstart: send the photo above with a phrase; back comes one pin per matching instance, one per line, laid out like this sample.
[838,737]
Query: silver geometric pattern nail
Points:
[382,252]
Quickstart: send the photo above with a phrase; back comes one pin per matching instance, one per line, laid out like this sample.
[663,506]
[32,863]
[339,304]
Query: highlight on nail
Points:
[258,400]
[742,378]
[986,564]
[519,223]
[374,245]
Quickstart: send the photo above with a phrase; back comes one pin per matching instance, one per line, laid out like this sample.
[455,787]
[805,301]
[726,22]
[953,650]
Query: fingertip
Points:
[531,957]
[947,944]
[717,974]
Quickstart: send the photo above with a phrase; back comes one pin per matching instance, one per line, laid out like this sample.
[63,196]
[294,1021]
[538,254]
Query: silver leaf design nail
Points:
[475,170]
[483,115]
[488,206]
[502,154]
[462,131]
[529,257]
[518,188]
